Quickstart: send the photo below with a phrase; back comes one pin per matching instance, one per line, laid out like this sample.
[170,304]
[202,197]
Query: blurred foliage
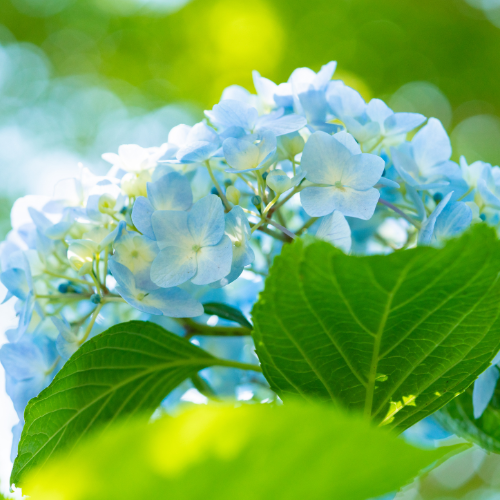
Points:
[249,452]
[192,54]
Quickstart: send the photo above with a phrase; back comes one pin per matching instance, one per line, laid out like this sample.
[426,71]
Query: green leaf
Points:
[246,453]
[396,336]
[129,368]
[227,312]
[458,417]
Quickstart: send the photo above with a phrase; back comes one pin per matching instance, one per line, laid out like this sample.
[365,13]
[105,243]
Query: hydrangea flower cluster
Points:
[169,225]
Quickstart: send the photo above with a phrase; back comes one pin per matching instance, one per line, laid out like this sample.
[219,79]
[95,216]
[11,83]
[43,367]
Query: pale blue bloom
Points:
[68,340]
[251,152]
[193,145]
[272,95]
[136,253]
[344,177]
[425,164]
[30,365]
[455,218]
[238,230]
[309,95]
[169,192]
[335,229]
[19,283]
[483,181]
[374,125]
[192,244]
[134,158]
[173,302]
[230,113]
[448,219]
[484,387]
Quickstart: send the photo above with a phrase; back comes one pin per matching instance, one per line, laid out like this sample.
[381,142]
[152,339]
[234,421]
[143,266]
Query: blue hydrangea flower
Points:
[335,229]
[343,176]
[484,184]
[19,283]
[193,144]
[136,253]
[239,232]
[173,302]
[30,365]
[169,192]
[374,125]
[425,164]
[251,152]
[69,339]
[448,219]
[309,95]
[232,114]
[192,244]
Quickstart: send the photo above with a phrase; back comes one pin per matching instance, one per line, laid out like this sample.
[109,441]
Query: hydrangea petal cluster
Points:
[203,214]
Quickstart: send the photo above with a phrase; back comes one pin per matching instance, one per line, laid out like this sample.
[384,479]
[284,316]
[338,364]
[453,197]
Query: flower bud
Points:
[81,256]
[233,195]
[278,181]
[257,201]
[106,204]
[136,184]
[95,298]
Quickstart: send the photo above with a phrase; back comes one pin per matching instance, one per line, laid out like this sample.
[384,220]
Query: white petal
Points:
[240,154]
[170,192]
[431,145]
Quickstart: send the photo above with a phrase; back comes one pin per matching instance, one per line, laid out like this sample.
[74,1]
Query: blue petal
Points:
[400,123]
[141,216]
[206,221]
[427,230]
[197,152]
[484,388]
[174,302]
[231,113]
[283,125]
[171,229]
[431,145]
[173,266]
[214,262]
[455,218]
[170,192]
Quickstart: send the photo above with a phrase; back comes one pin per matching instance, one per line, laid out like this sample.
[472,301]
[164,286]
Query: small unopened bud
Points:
[438,197]
[95,298]
[214,191]
[278,181]
[106,204]
[257,201]
[81,256]
[233,195]
[136,184]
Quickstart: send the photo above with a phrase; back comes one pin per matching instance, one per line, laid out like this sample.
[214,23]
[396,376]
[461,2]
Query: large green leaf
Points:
[458,417]
[253,452]
[129,368]
[396,336]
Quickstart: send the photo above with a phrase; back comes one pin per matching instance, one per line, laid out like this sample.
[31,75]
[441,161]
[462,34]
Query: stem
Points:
[106,300]
[91,323]
[203,387]
[257,226]
[235,364]
[96,282]
[62,296]
[216,184]
[248,183]
[270,204]
[400,212]
[275,234]
[286,198]
[281,228]
[74,280]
